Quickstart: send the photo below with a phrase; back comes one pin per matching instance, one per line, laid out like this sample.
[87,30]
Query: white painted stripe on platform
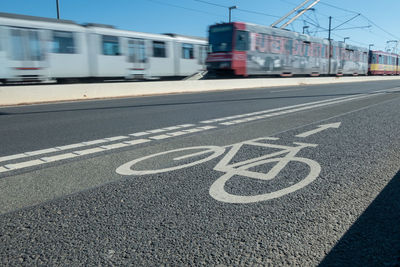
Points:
[59,157]
[11,157]
[89,151]
[24,164]
[160,137]
[42,151]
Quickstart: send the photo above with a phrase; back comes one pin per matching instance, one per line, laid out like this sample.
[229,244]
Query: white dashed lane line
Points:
[166,133]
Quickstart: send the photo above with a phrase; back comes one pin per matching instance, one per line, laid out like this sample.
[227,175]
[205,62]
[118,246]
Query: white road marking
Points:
[177,133]
[24,164]
[208,127]
[193,130]
[160,137]
[114,146]
[256,115]
[172,128]
[276,109]
[186,125]
[70,146]
[59,157]
[11,157]
[139,134]
[95,142]
[319,129]
[136,142]
[89,151]
[40,152]
[116,138]
[157,131]
[293,110]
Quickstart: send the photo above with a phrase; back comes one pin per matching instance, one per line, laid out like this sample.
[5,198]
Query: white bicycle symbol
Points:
[217,190]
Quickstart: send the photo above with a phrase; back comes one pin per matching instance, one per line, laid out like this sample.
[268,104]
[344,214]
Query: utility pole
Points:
[230,11]
[370,45]
[330,45]
[305,27]
[58,10]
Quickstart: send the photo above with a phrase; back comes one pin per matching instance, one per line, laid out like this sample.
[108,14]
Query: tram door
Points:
[137,58]
[27,57]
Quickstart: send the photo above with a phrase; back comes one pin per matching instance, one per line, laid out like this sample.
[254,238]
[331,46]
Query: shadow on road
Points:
[374,239]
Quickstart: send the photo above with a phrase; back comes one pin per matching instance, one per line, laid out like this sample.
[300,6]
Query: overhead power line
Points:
[238,9]
[182,7]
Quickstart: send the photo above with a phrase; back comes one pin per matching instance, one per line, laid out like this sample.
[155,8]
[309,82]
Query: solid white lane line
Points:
[59,157]
[42,151]
[88,151]
[24,164]
[11,157]
[160,137]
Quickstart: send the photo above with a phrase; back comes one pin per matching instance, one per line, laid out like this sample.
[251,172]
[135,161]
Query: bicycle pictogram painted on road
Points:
[201,154]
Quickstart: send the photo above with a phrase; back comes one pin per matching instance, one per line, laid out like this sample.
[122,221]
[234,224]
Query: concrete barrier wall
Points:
[29,94]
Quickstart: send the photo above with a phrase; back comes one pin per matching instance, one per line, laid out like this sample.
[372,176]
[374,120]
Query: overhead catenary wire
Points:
[238,9]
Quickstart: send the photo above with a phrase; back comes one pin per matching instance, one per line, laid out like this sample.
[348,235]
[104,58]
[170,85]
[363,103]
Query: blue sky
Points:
[379,21]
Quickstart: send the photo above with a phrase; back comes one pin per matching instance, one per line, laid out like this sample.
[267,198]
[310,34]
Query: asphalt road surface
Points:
[284,176]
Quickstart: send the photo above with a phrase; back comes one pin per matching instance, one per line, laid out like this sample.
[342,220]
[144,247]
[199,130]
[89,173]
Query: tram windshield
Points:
[220,38]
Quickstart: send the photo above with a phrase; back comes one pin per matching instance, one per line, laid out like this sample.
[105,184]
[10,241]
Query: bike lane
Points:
[171,218]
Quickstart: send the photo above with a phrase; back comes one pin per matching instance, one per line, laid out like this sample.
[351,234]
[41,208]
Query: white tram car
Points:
[39,49]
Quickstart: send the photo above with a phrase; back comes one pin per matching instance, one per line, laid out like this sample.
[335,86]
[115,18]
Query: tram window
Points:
[63,42]
[202,54]
[242,40]
[34,46]
[110,45]
[187,51]
[136,51]
[159,49]
[17,42]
